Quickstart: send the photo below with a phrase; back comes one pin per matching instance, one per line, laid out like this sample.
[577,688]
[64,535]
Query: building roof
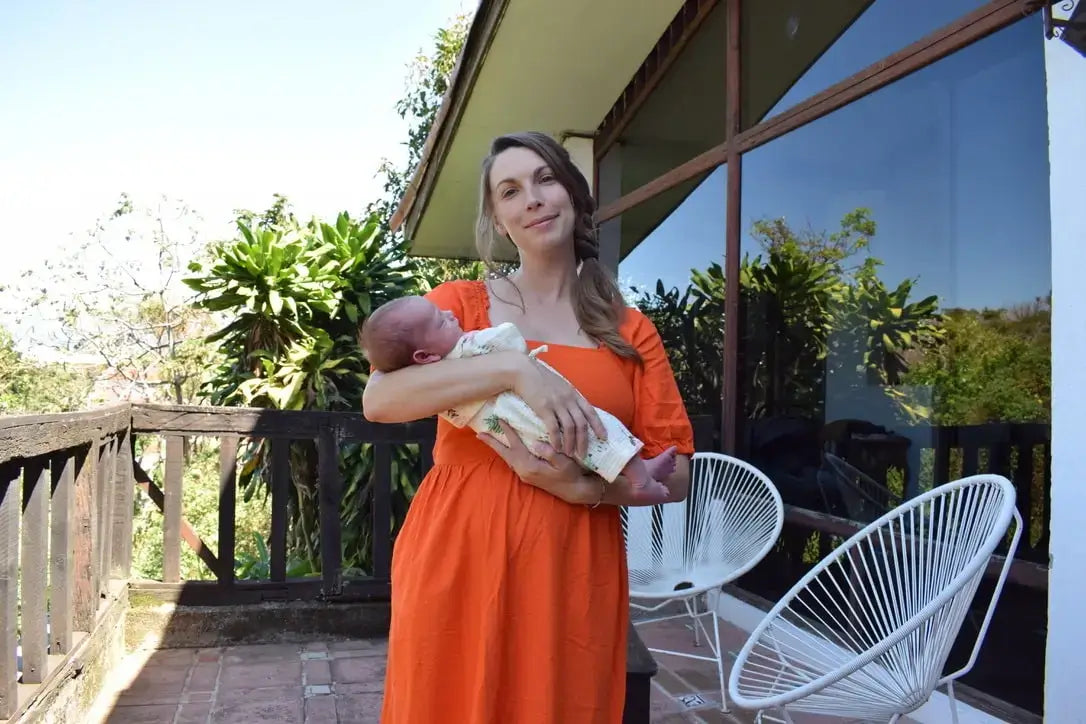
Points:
[514,74]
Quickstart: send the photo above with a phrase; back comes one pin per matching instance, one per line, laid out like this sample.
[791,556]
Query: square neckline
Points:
[485,293]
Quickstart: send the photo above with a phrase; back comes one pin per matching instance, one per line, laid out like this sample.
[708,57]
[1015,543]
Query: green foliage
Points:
[295,296]
[428,80]
[995,366]
[812,311]
[200,505]
[29,387]
[807,314]
[116,295]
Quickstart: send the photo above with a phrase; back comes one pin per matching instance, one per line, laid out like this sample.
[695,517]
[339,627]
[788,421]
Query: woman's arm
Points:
[420,391]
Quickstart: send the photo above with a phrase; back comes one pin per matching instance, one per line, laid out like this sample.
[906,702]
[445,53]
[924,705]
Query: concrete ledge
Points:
[68,693]
[154,623]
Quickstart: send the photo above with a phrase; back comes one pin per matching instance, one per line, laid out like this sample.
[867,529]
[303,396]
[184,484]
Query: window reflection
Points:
[895,290]
[795,49]
[673,272]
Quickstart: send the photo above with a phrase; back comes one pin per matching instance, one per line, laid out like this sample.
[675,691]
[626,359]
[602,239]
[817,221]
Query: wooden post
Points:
[124,488]
[62,553]
[280,480]
[34,561]
[107,463]
[171,525]
[382,511]
[228,484]
[330,496]
[9,586]
[85,601]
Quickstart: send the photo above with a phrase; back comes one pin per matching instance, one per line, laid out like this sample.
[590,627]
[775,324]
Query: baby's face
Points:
[438,330]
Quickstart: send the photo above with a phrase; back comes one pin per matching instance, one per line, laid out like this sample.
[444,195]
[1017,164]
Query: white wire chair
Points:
[681,551]
[867,632]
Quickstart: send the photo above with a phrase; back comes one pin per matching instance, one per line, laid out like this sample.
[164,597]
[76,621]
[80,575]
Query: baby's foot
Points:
[663,465]
[653,492]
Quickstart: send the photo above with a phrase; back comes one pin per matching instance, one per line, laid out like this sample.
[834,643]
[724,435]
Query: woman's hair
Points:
[597,301]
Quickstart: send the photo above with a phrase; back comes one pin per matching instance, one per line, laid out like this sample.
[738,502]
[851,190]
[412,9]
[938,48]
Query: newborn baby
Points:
[412,330]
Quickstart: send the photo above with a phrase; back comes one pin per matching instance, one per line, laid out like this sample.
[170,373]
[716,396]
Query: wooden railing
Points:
[65,531]
[280,427]
[66,513]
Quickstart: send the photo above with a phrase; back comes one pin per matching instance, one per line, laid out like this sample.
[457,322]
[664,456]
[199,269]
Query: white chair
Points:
[867,632]
[681,551]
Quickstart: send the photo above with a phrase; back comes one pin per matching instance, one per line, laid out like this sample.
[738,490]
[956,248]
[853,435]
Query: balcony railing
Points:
[66,517]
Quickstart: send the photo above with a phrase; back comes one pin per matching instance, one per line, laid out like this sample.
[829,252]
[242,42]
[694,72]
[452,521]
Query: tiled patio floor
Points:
[342,681]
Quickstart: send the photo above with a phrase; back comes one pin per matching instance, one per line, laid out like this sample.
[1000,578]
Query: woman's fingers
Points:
[593,418]
[568,430]
[580,442]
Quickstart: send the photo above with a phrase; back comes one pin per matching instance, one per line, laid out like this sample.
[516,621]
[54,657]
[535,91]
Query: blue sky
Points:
[221,104]
[953,162]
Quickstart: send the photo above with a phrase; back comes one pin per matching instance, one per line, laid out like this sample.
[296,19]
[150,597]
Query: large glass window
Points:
[895,300]
[794,49]
[672,269]
[684,114]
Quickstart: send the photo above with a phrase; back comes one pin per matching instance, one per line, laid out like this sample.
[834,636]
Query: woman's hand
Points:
[546,468]
[562,477]
[565,413]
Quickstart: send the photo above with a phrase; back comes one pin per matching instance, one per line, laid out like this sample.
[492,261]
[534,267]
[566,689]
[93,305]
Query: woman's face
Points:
[530,205]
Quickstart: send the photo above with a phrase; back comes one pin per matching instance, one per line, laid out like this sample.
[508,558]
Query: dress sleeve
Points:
[660,418]
[449,297]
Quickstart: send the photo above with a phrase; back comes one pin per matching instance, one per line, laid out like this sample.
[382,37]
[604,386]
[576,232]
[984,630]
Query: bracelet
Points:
[603,491]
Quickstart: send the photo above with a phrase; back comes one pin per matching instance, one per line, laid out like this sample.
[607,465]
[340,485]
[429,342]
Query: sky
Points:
[220,104]
[952,161]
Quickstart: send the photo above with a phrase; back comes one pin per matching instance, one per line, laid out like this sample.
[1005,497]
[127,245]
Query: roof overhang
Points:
[554,66]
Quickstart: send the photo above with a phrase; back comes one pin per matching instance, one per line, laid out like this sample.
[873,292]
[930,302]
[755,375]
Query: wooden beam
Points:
[290,424]
[172,484]
[984,21]
[705,161]
[62,552]
[659,60]
[949,39]
[28,436]
[729,413]
[35,567]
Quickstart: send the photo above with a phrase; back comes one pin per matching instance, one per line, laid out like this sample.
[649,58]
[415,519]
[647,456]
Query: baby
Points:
[412,330]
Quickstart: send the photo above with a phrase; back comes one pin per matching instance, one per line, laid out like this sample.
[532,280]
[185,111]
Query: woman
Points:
[509,590]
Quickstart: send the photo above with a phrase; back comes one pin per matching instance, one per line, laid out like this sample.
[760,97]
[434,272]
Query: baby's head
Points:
[406,331]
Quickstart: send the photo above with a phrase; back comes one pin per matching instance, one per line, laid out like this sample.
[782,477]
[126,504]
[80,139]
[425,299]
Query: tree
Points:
[118,296]
[29,387]
[293,296]
[808,310]
[995,366]
[428,80]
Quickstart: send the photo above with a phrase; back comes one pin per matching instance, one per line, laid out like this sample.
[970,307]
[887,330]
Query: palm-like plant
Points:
[293,296]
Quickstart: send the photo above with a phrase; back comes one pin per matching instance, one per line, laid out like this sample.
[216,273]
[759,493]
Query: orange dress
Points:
[509,605]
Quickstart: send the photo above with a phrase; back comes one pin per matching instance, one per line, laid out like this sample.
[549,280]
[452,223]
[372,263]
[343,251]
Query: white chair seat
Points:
[679,552]
[867,632]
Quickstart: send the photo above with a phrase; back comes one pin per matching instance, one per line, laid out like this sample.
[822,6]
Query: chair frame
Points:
[689,597]
[974,568]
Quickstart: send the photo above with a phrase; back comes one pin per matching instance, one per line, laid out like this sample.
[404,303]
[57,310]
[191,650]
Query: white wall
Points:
[1065,658]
